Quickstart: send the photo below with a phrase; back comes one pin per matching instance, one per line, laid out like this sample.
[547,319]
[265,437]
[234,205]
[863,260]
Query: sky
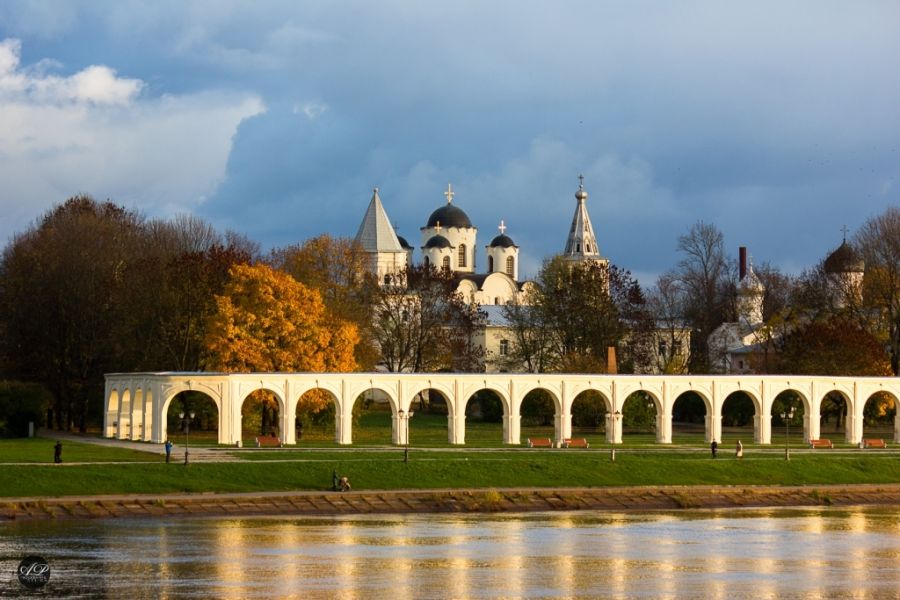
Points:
[777,122]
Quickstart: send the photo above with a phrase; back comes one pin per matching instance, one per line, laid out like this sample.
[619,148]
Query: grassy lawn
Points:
[40,450]
[426,469]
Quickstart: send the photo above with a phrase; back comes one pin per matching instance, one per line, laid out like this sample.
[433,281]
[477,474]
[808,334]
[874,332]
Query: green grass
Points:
[374,469]
[40,450]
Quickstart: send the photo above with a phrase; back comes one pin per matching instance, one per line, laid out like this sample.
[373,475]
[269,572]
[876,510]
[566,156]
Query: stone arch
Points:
[113,405]
[310,424]
[589,411]
[640,414]
[273,424]
[428,413]
[836,405]
[738,401]
[779,403]
[688,417]
[482,423]
[123,418]
[557,403]
[196,424]
[877,410]
[365,404]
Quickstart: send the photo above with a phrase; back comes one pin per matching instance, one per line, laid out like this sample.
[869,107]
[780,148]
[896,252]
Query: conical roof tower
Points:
[581,244]
[376,236]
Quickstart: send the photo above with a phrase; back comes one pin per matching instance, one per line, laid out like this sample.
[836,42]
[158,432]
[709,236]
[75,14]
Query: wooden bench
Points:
[874,443]
[576,443]
[540,443]
[268,440]
[820,444]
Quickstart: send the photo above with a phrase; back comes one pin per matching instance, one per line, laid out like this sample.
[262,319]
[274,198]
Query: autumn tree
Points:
[265,320]
[879,241]
[172,289]
[337,268]
[836,346]
[572,314]
[64,321]
[422,324]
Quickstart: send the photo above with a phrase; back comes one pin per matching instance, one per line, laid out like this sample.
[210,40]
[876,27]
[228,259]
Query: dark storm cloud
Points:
[775,122]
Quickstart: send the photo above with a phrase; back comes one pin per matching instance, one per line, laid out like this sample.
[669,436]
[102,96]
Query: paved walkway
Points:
[196,454]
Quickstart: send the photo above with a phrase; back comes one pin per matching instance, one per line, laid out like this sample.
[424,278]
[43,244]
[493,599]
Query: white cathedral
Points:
[449,240]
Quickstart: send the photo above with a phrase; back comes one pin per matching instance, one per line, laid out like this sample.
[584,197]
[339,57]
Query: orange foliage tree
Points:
[267,321]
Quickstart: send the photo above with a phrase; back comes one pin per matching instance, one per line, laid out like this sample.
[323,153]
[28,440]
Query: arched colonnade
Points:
[136,404]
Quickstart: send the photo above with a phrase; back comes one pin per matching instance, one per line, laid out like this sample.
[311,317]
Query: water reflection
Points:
[821,553]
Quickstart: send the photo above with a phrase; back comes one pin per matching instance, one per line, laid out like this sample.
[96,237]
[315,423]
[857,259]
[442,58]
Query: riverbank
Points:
[511,500]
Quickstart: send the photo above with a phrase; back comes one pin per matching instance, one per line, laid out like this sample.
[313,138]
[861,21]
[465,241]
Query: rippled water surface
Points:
[827,553]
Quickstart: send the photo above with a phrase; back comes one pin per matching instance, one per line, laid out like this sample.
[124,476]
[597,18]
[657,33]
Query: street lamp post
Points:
[186,425]
[405,420]
[786,417]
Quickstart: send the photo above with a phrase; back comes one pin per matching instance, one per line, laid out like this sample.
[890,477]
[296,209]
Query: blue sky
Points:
[778,122]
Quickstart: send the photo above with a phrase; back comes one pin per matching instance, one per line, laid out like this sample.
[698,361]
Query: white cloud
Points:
[95,84]
[93,133]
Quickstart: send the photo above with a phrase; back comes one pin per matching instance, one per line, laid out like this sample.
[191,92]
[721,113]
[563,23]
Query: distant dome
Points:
[844,260]
[502,241]
[438,241]
[751,282]
[449,216]
[403,243]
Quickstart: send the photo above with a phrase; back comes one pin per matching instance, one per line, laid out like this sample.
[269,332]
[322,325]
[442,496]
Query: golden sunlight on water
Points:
[799,553]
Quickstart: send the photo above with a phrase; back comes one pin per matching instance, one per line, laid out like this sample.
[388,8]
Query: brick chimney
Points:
[742,262]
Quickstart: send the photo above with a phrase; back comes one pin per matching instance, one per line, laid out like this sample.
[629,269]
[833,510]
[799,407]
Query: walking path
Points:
[195,453]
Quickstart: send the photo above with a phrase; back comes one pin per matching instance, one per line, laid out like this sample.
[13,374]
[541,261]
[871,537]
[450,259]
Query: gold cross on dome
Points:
[502,227]
[449,193]
[845,230]
[581,182]
[437,226]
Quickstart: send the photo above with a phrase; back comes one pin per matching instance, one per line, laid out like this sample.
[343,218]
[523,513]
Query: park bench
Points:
[576,443]
[268,440]
[540,443]
[820,444]
[874,443]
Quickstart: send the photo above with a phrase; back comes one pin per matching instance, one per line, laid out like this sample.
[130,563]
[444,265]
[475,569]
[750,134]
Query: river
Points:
[784,553]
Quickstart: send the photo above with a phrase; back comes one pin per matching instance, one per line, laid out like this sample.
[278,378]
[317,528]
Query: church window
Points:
[741,364]
[446,262]
[510,265]
[427,262]
[676,348]
[587,247]
[387,280]
[577,247]
[462,255]
[490,264]
[504,347]
[662,349]
[497,300]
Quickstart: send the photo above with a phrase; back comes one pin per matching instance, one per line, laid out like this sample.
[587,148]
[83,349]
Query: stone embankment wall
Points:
[446,501]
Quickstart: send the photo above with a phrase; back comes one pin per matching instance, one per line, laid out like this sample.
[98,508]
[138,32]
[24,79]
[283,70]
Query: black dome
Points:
[449,216]
[438,241]
[502,241]
[403,243]
[844,260]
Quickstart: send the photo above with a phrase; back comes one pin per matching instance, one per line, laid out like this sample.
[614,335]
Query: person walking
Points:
[739,451]
[57,452]
[713,447]
[169,445]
